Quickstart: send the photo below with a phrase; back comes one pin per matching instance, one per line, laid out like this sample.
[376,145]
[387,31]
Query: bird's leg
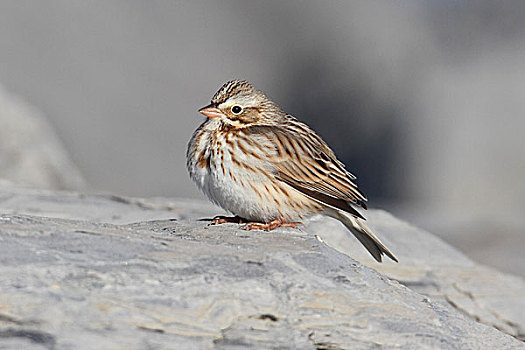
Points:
[227,219]
[269,226]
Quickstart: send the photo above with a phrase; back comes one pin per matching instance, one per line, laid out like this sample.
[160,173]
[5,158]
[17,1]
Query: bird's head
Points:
[238,104]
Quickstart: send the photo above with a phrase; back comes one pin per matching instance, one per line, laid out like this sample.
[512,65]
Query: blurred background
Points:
[423,100]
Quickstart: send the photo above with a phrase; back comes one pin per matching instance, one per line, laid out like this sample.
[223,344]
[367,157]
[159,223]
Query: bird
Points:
[269,169]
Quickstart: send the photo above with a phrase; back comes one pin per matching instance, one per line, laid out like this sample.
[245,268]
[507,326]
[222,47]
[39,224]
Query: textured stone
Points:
[83,271]
[431,267]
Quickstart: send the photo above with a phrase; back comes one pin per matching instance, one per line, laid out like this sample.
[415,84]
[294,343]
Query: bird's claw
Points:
[269,226]
[226,219]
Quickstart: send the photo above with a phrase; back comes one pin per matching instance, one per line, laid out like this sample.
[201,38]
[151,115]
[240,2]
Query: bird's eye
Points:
[236,109]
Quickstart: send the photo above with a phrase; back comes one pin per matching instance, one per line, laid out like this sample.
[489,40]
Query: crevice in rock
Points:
[43,338]
[268,317]
[10,319]
[516,333]
[322,345]
[150,329]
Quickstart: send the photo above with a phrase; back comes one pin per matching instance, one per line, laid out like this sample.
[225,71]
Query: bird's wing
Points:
[304,161]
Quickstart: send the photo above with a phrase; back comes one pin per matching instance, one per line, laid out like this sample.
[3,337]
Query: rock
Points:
[30,152]
[78,270]
[431,267]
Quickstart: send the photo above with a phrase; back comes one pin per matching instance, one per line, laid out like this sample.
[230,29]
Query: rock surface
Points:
[99,271]
[30,152]
[431,267]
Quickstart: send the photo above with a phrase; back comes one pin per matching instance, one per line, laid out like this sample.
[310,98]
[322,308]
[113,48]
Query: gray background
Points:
[423,100]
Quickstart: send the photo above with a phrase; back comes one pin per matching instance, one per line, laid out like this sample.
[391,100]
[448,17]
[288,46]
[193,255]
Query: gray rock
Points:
[97,271]
[431,267]
[30,152]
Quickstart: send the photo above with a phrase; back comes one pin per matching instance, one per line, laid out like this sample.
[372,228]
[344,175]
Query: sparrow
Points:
[269,169]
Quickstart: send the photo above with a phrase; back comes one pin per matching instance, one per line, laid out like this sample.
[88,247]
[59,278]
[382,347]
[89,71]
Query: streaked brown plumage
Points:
[265,166]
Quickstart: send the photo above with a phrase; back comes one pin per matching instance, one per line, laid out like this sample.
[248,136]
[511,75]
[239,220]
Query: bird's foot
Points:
[227,219]
[269,226]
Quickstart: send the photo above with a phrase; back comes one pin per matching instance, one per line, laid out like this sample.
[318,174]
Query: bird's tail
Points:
[365,236]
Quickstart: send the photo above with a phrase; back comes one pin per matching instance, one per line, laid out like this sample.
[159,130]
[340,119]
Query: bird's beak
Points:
[211,111]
